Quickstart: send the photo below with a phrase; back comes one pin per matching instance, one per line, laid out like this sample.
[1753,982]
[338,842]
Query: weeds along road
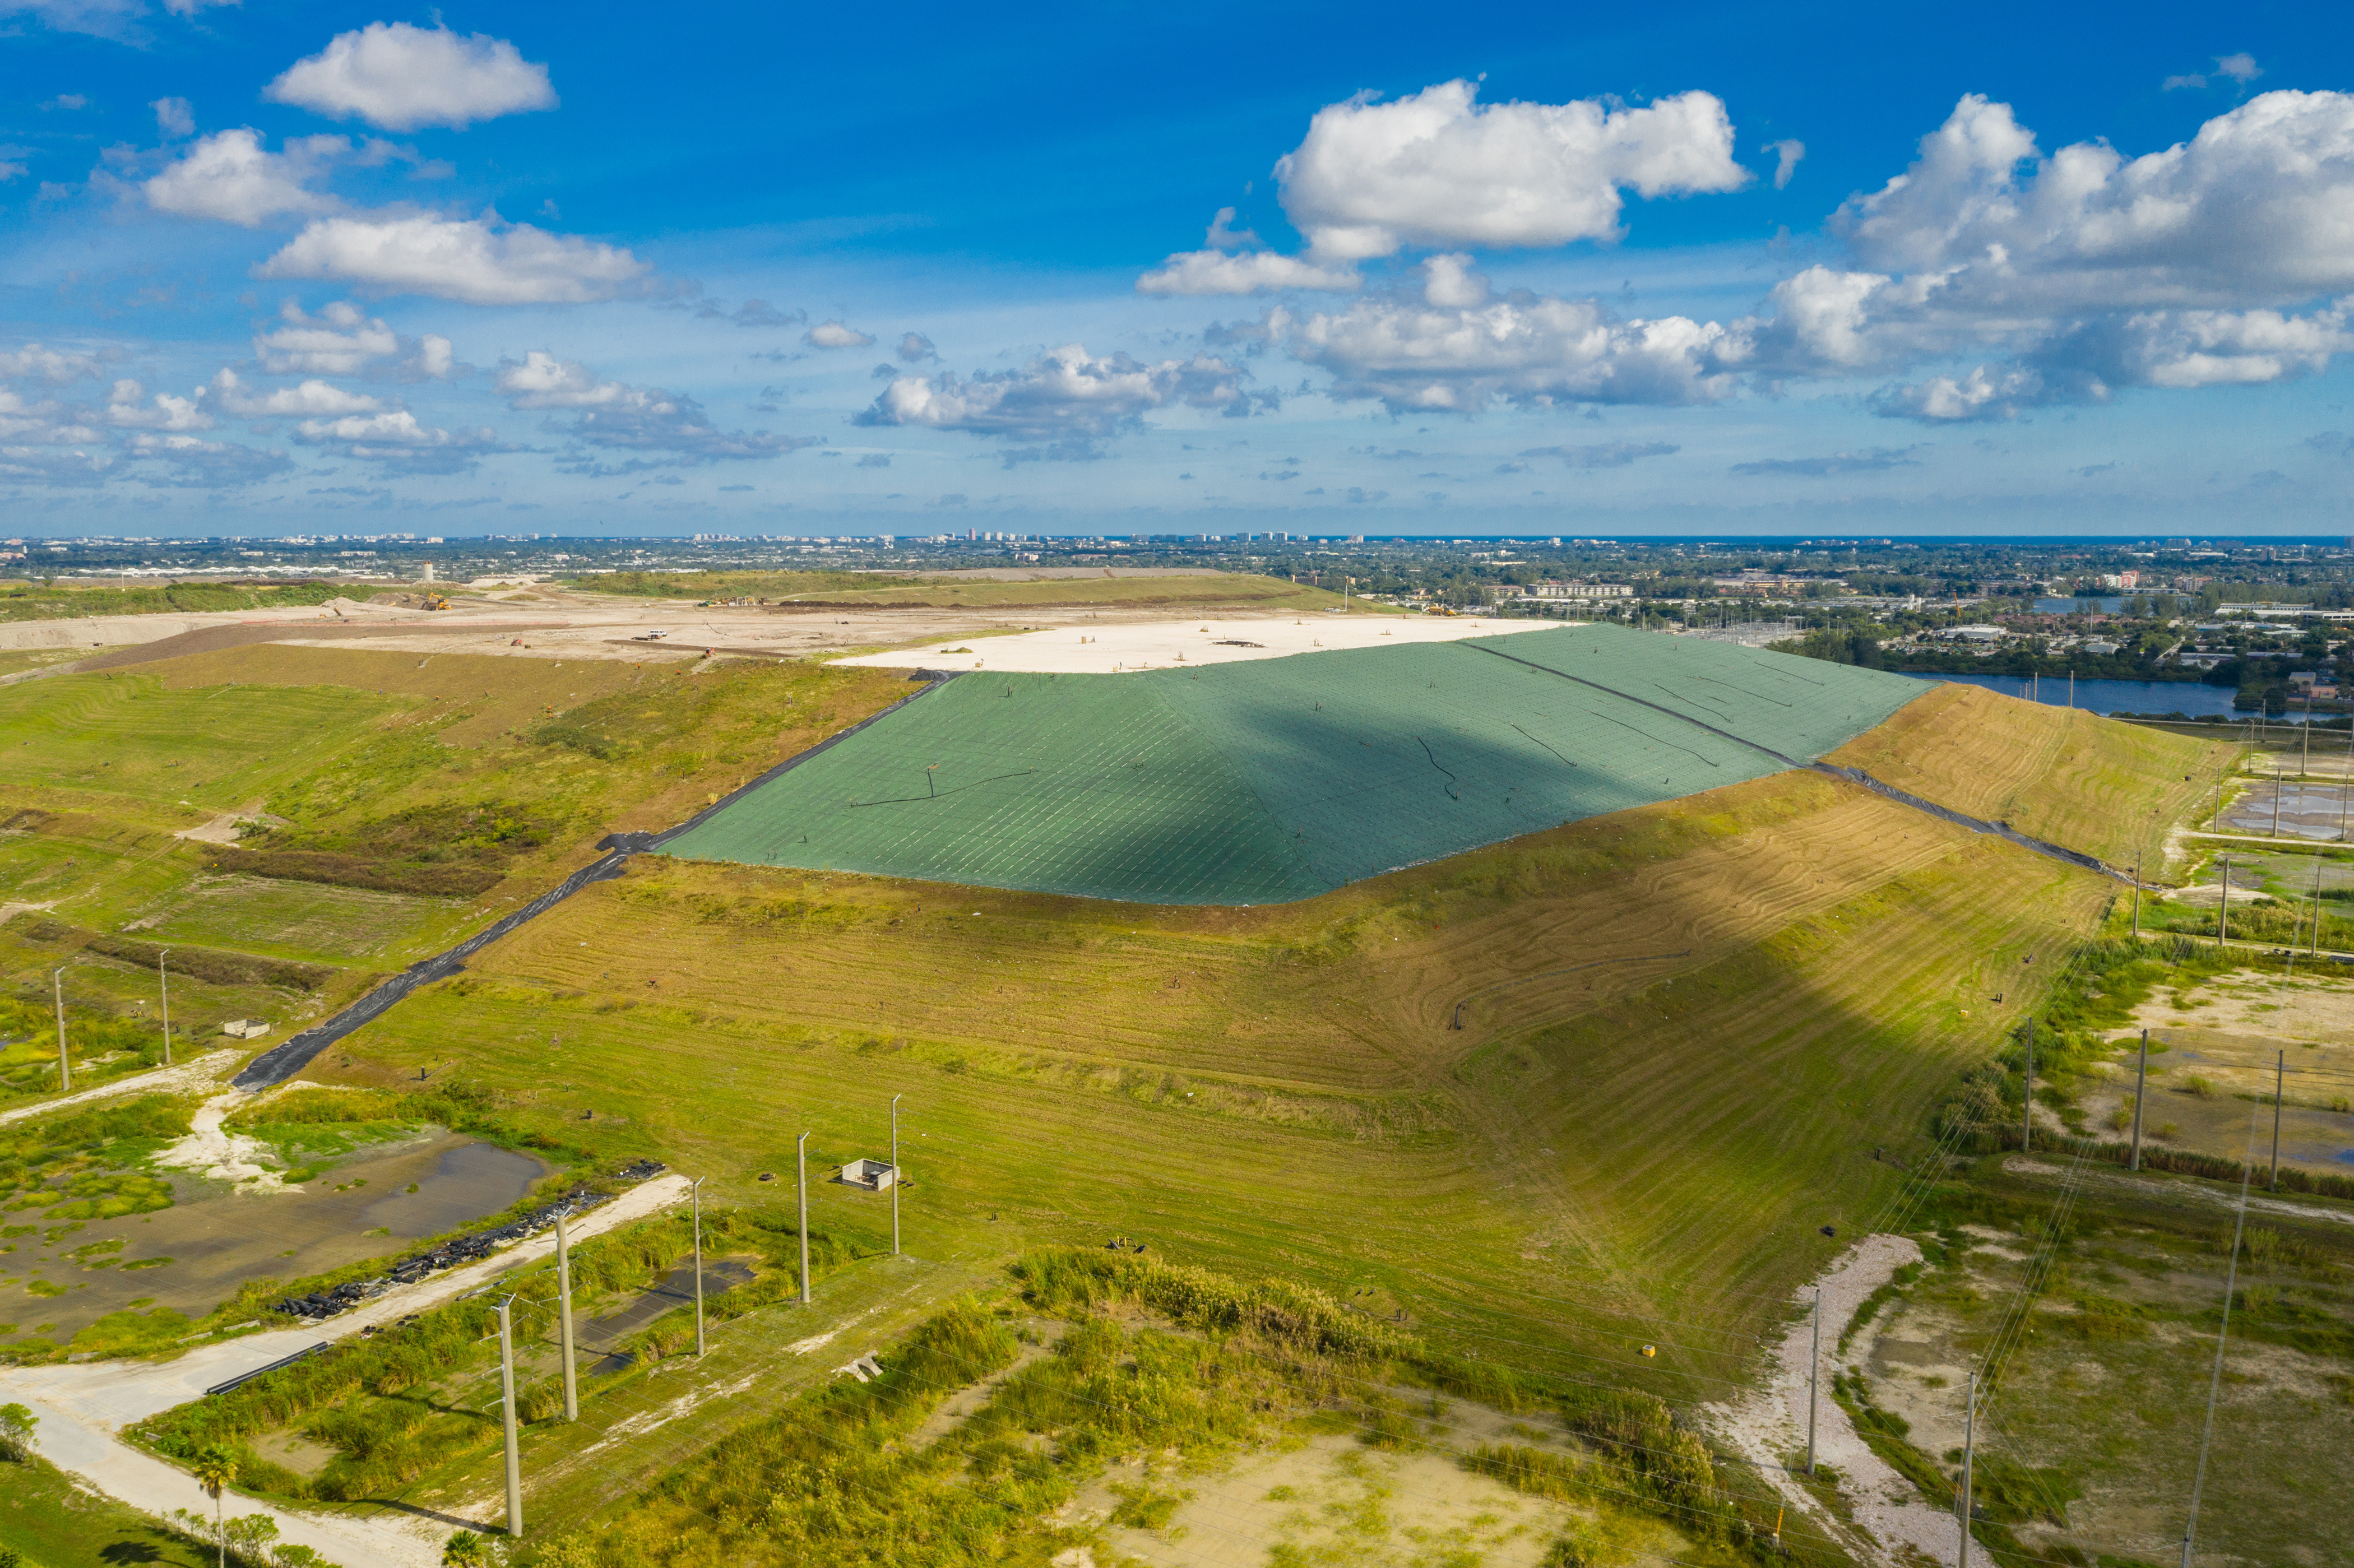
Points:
[81,1407]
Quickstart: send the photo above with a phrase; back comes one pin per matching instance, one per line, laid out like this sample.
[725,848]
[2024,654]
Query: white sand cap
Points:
[1108,648]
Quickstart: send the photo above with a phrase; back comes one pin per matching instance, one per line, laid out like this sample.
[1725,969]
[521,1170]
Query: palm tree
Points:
[464,1550]
[215,1467]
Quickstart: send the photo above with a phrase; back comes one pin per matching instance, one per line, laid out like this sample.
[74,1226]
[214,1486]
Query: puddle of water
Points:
[2306,811]
[471,1179]
[2344,1157]
[214,1241]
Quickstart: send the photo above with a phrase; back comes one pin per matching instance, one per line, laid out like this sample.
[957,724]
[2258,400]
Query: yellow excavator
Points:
[436,600]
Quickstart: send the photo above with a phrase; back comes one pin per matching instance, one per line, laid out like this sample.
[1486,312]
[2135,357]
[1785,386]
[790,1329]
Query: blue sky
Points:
[273,269]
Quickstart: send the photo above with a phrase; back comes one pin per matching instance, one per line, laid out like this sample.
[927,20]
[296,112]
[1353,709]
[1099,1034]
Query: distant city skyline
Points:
[277,270]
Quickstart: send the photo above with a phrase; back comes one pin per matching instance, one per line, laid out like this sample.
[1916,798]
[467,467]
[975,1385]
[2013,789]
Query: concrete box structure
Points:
[874,1175]
[245,1028]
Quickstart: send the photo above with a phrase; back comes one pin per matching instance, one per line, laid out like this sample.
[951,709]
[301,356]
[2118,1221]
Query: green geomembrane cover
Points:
[1274,779]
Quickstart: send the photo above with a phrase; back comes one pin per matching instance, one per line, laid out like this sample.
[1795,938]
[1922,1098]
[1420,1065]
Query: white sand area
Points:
[1087,647]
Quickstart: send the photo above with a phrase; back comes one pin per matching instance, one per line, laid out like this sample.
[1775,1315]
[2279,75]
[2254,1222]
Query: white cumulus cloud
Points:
[339,340]
[174,117]
[1067,397]
[312,399]
[190,463]
[230,178]
[478,262]
[1449,347]
[403,77]
[1439,169]
[126,410]
[396,440]
[615,415]
[834,335]
[35,362]
[1247,273]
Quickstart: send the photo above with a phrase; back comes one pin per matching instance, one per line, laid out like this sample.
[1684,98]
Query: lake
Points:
[2193,697]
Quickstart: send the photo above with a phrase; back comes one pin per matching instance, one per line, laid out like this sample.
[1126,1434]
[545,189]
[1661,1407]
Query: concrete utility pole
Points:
[696,1190]
[2280,1072]
[164,986]
[2222,1335]
[800,1157]
[65,1068]
[894,1175]
[2141,1084]
[1969,1454]
[1814,1378]
[2027,1096]
[507,1403]
[564,1319]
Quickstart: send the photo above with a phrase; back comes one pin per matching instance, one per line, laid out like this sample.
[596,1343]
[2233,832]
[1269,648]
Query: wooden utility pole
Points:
[894,1175]
[2137,926]
[2224,910]
[164,986]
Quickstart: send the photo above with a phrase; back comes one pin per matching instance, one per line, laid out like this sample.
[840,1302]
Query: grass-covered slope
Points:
[2094,784]
[1280,778]
[406,802]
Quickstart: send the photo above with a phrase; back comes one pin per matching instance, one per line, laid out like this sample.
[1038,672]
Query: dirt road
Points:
[82,1408]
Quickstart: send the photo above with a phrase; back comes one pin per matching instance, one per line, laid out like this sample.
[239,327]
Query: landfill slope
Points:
[1282,779]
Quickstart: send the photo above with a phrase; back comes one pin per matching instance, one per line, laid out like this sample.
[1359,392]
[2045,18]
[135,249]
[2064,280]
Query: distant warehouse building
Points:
[1775,585]
[1565,590]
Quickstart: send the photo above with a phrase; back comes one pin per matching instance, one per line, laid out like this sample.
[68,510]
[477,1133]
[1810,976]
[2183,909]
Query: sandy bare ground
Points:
[552,623]
[81,1407]
[1105,648]
[196,1076]
[1770,1425]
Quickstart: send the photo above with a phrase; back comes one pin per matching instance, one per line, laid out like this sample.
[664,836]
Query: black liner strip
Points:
[296,1052]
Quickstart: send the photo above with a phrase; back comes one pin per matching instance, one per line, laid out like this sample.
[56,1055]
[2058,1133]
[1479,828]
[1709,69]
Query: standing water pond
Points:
[183,1261]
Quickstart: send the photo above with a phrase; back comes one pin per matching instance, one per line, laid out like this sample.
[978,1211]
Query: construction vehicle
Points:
[437,601]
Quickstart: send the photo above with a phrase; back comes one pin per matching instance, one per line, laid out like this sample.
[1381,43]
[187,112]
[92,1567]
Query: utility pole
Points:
[1969,1454]
[2137,928]
[2027,1095]
[507,1401]
[164,985]
[800,1157]
[2280,1072]
[65,1067]
[2224,910]
[2316,904]
[1814,1378]
[564,1317]
[894,1175]
[696,1190]
[2222,1335]
[2141,1083]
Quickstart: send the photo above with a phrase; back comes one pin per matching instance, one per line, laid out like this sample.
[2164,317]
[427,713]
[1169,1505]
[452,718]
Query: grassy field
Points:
[27,601]
[411,799]
[1541,1104]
